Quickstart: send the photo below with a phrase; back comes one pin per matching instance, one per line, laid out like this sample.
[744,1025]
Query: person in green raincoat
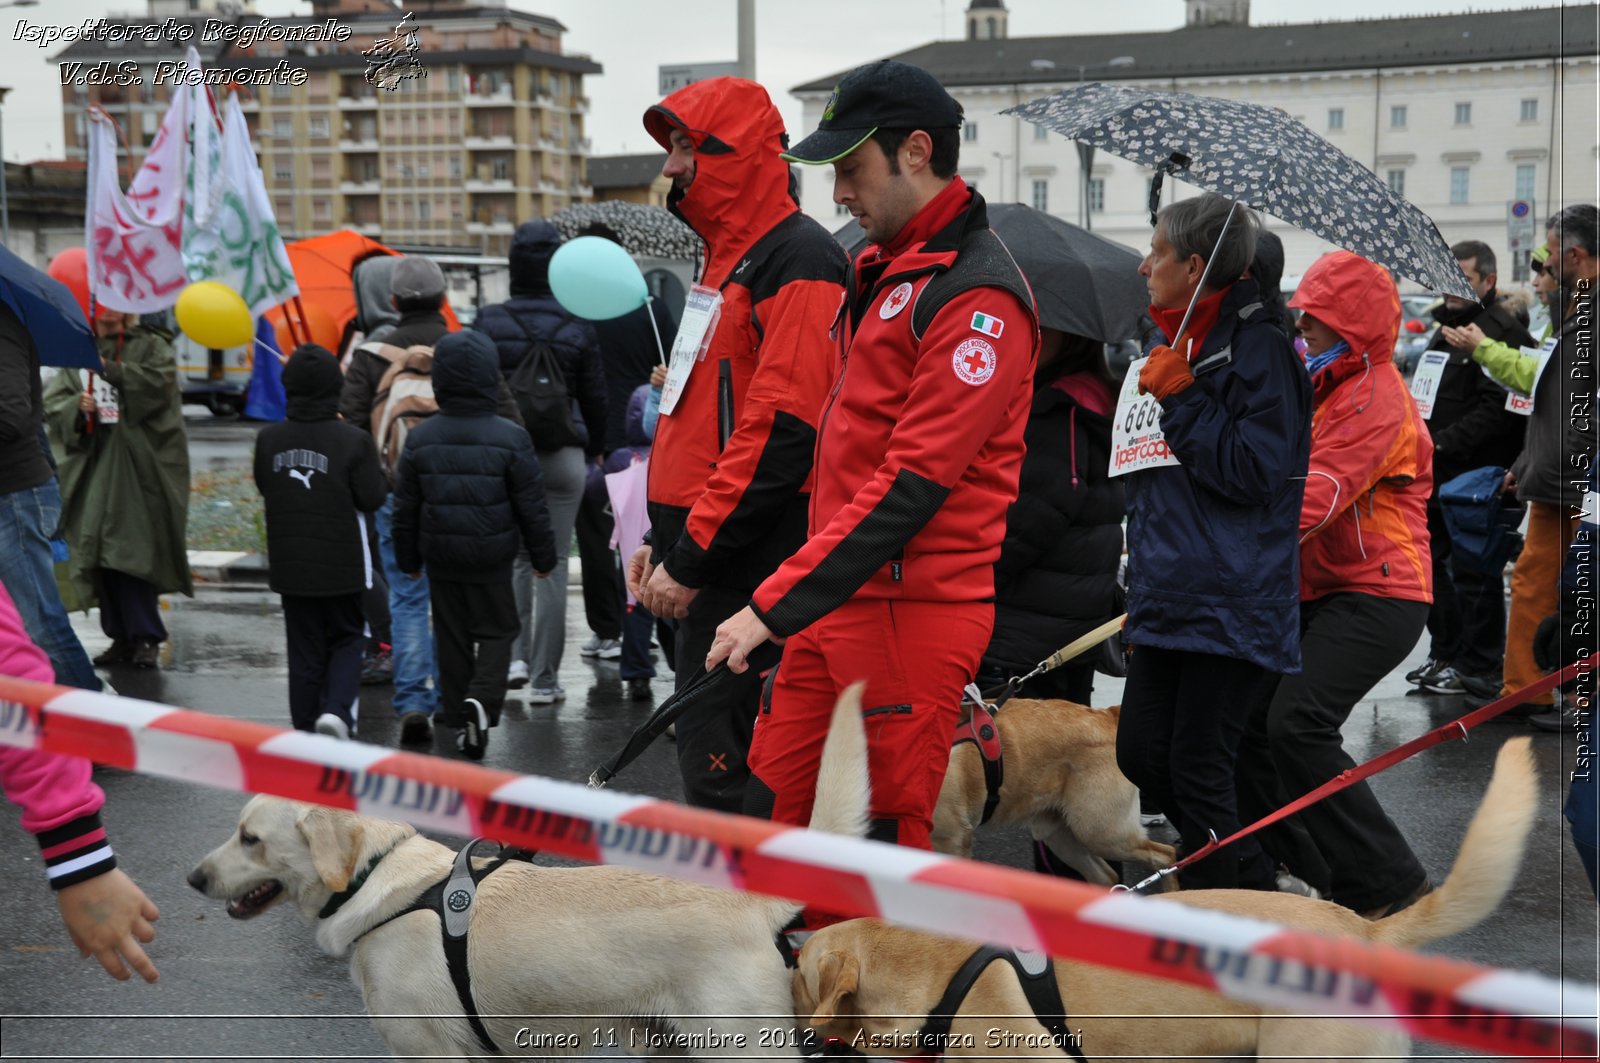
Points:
[123,461]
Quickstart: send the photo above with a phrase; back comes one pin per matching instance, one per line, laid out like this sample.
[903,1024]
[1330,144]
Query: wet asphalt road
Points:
[261,989]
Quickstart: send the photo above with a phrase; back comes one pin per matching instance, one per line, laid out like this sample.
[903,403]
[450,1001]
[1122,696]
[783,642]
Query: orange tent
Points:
[323,266]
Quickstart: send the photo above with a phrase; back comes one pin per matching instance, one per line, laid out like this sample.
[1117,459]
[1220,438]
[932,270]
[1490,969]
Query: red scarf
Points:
[1206,312]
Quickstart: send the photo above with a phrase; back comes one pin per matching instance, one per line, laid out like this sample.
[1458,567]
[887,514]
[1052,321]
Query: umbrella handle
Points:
[88,420]
[1204,276]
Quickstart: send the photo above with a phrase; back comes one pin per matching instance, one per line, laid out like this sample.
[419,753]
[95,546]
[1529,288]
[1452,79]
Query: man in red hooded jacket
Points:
[730,474]
[919,454]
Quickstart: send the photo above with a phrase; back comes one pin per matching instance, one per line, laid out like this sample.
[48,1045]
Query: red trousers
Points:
[915,657]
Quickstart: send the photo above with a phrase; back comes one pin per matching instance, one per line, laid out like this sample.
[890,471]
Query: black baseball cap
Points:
[881,95]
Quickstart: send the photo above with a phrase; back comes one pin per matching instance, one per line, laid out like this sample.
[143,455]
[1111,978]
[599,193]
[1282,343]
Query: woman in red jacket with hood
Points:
[1365,586]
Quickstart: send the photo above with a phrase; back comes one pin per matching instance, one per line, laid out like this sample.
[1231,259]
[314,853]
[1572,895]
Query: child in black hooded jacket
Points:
[318,476]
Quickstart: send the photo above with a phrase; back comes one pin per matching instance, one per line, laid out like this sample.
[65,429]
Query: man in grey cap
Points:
[416,287]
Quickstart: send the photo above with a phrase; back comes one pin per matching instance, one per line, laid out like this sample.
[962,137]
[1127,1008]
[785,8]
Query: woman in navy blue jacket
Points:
[1213,554]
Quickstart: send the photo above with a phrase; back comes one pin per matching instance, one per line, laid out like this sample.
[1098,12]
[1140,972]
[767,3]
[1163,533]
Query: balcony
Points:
[371,187]
[366,228]
[250,104]
[581,145]
[363,102]
[500,97]
[489,184]
[583,191]
[498,226]
[500,141]
[360,142]
[580,104]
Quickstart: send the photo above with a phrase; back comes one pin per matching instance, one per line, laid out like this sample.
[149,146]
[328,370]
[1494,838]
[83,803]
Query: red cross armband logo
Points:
[974,361]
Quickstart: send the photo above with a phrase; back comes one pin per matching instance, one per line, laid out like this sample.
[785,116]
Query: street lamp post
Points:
[5,207]
[1086,151]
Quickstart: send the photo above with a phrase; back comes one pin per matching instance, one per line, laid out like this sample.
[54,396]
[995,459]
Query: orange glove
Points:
[1165,374]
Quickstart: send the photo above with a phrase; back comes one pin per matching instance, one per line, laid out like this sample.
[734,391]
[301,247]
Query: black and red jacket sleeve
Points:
[768,458]
[942,426]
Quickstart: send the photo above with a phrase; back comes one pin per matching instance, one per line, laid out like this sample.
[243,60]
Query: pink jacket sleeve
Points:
[60,804]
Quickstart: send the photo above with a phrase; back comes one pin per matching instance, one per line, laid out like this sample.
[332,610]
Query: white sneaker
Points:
[591,647]
[546,695]
[608,649]
[473,738]
[517,675]
[330,725]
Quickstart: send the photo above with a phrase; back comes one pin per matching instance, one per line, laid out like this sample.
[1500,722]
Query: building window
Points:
[1335,118]
[1463,114]
[1397,182]
[1040,134]
[282,169]
[424,170]
[1041,195]
[1397,116]
[1097,195]
[455,166]
[1458,184]
[425,212]
[319,210]
[969,131]
[1525,177]
[1530,111]
[452,79]
[319,127]
[282,128]
[282,90]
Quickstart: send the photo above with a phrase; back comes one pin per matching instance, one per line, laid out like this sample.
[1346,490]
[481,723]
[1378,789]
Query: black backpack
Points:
[540,391]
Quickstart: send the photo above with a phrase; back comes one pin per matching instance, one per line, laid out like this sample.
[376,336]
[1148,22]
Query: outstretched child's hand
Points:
[108,916]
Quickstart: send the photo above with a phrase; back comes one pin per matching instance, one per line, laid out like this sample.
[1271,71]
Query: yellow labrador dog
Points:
[1061,781]
[872,985]
[562,961]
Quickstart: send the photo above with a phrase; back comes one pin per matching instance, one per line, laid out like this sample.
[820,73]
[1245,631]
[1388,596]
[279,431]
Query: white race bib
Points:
[1136,439]
[105,401]
[1523,404]
[701,313]
[1425,381]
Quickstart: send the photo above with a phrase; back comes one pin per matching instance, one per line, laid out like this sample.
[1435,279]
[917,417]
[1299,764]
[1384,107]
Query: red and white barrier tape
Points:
[1505,1012]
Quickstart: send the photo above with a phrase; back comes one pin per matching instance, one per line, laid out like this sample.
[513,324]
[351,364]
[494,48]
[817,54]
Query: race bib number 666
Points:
[1136,439]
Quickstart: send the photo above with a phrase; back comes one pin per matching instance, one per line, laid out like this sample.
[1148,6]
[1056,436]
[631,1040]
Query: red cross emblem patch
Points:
[895,301]
[974,361]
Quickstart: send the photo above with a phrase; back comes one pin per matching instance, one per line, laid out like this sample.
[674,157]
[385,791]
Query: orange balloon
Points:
[310,320]
[71,267]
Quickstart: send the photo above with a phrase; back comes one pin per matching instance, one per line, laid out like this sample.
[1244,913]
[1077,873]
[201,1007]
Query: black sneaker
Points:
[119,652]
[473,737]
[415,729]
[1554,719]
[639,690]
[1481,686]
[1429,668]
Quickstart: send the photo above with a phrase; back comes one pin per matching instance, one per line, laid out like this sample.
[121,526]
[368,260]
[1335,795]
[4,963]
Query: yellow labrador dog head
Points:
[285,850]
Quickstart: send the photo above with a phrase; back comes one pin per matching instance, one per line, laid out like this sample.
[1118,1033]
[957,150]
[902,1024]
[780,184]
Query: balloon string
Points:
[650,313]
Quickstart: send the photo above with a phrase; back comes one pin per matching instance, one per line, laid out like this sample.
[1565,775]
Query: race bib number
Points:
[106,410]
[1136,439]
[701,313]
[1425,382]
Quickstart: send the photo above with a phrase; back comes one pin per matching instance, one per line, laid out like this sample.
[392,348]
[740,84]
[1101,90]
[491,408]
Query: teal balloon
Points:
[596,279]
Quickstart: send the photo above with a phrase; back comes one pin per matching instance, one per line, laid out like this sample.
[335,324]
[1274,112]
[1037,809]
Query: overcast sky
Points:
[796,41]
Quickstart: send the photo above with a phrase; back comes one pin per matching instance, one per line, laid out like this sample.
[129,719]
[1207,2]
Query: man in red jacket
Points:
[917,461]
[730,474]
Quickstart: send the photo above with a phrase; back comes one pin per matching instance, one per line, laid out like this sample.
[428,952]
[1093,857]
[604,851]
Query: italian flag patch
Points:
[989,326]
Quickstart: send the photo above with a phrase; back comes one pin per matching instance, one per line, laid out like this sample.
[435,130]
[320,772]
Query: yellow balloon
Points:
[214,315]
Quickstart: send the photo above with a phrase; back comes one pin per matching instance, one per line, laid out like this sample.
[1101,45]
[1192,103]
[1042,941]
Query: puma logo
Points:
[303,475]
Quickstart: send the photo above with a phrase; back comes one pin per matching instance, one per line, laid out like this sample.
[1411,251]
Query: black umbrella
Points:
[696,690]
[1084,283]
[1262,157]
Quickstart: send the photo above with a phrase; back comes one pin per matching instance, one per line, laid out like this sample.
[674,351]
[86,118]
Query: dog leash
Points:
[1076,648]
[1350,776]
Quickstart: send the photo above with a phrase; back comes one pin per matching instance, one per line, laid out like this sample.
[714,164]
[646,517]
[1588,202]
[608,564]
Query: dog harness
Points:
[981,731]
[451,898]
[1037,975]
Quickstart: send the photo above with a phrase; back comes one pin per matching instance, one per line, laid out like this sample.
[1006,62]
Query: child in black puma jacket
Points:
[318,476]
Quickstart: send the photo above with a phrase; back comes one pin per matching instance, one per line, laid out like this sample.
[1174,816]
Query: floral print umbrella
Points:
[1262,157]
[642,230]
